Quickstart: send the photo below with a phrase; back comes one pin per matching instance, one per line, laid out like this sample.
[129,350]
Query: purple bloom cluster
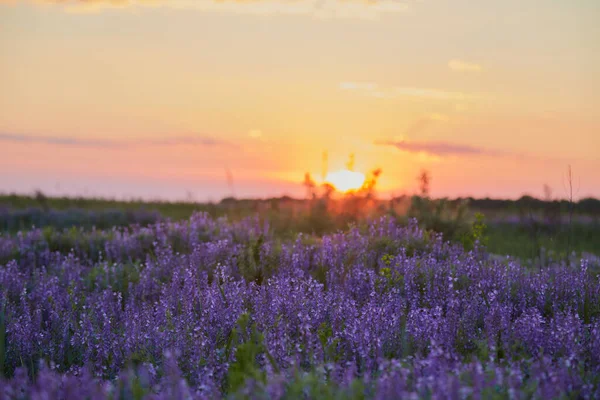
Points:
[208,309]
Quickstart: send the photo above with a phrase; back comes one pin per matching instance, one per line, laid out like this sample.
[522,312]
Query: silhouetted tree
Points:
[424,182]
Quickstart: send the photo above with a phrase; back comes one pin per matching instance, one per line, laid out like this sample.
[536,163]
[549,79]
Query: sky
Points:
[203,99]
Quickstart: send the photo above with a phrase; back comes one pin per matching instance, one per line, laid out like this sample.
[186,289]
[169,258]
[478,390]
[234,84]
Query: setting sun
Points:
[345,180]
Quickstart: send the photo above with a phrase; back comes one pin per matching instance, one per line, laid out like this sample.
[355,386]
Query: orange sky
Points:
[161,98]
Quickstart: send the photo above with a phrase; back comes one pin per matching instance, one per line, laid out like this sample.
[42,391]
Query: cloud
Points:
[423,123]
[367,86]
[58,140]
[441,148]
[323,9]
[433,94]
[463,66]
[112,143]
[374,90]
[184,140]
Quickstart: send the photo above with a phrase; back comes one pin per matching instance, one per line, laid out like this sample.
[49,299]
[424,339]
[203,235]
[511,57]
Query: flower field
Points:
[208,308]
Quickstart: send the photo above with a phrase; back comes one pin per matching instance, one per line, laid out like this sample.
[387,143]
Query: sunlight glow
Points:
[345,180]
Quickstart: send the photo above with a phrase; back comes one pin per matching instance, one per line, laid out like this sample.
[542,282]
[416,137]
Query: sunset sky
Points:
[167,98]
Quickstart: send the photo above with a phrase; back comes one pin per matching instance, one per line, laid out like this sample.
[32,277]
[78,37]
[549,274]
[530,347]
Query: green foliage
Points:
[325,333]
[389,278]
[173,210]
[138,390]
[441,215]
[313,385]
[387,259]
[255,263]
[324,214]
[517,240]
[320,274]
[250,345]
[319,219]
[133,388]
[384,246]
[477,233]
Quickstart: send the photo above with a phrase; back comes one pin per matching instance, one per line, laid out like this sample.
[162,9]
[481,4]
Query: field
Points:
[289,199]
[287,299]
[523,228]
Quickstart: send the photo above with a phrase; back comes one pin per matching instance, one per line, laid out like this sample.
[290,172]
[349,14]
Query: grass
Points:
[173,210]
[525,242]
[288,217]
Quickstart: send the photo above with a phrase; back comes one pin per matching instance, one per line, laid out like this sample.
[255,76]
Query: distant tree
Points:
[368,188]
[328,190]
[310,185]
[424,182]
[41,198]
[547,192]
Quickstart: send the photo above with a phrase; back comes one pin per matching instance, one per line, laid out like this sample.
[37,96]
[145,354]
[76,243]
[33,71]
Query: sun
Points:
[345,180]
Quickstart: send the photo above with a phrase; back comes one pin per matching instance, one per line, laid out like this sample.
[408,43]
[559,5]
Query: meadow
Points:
[284,299]
[523,228]
[365,285]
